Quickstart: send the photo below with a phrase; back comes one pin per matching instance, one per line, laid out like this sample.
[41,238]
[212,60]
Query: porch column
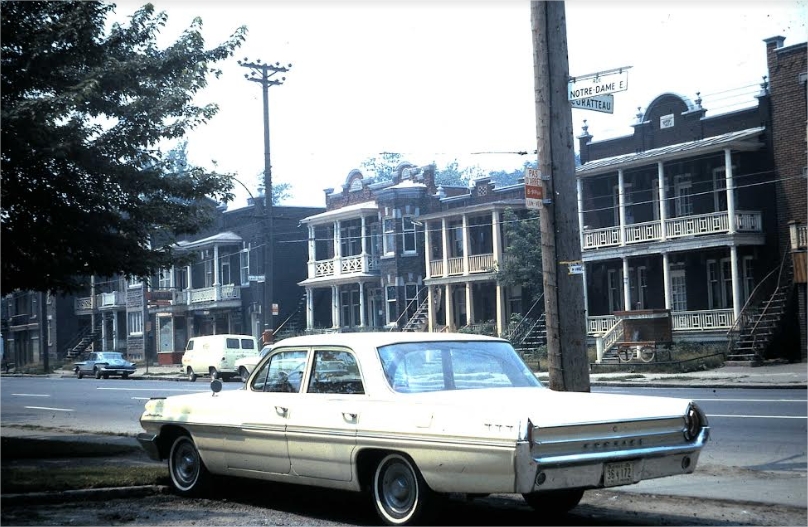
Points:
[114,331]
[586,299]
[626,286]
[500,310]
[362,316]
[730,184]
[312,266]
[188,289]
[580,192]
[449,309]
[363,238]
[621,205]
[663,200]
[445,240]
[427,250]
[337,250]
[335,322]
[666,280]
[469,304]
[103,331]
[309,308]
[736,282]
[430,295]
[217,290]
[496,238]
[465,245]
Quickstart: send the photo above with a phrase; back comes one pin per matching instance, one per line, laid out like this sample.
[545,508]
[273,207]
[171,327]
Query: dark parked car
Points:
[103,364]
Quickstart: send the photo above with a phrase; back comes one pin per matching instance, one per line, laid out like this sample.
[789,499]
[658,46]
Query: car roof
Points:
[380,338]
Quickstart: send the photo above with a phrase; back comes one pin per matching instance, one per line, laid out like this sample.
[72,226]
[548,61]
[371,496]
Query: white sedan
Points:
[412,417]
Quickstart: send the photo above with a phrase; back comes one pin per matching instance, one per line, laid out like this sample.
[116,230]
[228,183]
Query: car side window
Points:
[92,357]
[335,371]
[283,372]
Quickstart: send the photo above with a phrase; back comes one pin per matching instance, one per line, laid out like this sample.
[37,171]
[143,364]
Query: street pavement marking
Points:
[141,398]
[754,400]
[50,409]
[762,416]
[31,394]
[153,389]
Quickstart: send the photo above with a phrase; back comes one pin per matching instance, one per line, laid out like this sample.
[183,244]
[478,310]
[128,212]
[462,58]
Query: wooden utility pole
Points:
[563,292]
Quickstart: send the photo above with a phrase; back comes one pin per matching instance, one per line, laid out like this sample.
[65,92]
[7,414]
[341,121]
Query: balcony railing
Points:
[701,320]
[111,300]
[478,263]
[799,236]
[696,225]
[347,265]
[214,294]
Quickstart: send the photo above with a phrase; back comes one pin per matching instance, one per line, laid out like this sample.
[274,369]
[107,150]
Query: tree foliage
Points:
[522,263]
[84,113]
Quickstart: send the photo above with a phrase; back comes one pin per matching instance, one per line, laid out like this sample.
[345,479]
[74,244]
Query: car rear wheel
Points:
[189,475]
[97,373]
[214,374]
[400,494]
[191,375]
[79,374]
[554,501]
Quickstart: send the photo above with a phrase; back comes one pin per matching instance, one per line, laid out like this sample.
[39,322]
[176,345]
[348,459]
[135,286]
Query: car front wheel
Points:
[191,375]
[554,501]
[79,373]
[400,493]
[97,373]
[189,475]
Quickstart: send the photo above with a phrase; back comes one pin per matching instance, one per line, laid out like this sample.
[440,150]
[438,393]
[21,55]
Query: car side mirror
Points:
[216,386]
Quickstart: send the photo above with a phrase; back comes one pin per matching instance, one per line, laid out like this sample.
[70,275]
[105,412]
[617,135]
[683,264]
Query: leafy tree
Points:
[522,263]
[83,114]
[383,167]
[504,179]
[280,191]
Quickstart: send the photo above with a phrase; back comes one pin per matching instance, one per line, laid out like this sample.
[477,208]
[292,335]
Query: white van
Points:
[216,355]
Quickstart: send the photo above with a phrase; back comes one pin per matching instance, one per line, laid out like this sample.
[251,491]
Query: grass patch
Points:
[23,478]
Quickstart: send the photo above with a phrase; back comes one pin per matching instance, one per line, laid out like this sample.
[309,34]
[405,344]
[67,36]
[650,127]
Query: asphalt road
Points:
[757,450]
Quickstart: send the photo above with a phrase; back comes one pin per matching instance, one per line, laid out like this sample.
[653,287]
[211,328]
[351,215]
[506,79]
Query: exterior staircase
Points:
[84,338]
[760,319]
[530,336]
[419,321]
[295,323]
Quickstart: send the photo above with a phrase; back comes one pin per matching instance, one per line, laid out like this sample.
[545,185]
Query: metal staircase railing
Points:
[751,314]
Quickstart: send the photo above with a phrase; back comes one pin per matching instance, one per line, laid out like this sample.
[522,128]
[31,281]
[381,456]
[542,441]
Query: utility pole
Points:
[262,74]
[558,218]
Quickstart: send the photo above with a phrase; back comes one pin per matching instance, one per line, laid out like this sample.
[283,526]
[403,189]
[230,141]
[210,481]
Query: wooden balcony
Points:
[478,263]
[683,321]
[685,226]
[344,266]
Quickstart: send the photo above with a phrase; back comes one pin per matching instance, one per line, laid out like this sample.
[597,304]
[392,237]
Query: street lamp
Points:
[262,74]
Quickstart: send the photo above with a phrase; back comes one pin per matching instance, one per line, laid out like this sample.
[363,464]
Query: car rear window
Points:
[247,344]
[232,344]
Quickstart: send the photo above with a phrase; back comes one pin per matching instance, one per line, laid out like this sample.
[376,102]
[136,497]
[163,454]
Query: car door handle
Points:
[349,416]
[282,410]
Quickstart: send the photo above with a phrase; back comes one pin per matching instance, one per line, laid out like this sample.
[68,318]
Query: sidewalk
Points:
[774,375]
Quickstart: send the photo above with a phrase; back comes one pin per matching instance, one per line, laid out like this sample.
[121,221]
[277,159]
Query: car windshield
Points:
[110,356]
[464,365]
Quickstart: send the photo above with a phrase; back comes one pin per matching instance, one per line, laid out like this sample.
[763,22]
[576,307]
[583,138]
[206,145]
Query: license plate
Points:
[618,474]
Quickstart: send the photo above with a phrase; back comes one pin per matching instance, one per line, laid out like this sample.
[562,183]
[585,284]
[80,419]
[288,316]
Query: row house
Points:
[21,314]
[683,215]
[787,84]
[365,252]
[409,254]
[219,289]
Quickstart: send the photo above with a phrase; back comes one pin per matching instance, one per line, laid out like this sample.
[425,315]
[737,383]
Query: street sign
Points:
[601,103]
[598,84]
[275,310]
[256,278]
[533,189]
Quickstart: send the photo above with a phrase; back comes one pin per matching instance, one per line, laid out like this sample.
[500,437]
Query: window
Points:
[639,287]
[683,189]
[335,371]
[164,279]
[748,277]
[350,235]
[411,298]
[390,297]
[225,271]
[726,278]
[375,239]
[713,285]
[627,203]
[616,290]
[678,290]
[135,323]
[719,189]
[389,241]
[409,231]
[135,281]
[349,303]
[244,265]
[282,373]
[207,262]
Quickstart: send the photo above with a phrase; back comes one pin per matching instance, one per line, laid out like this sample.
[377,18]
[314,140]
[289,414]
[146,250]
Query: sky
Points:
[445,80]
